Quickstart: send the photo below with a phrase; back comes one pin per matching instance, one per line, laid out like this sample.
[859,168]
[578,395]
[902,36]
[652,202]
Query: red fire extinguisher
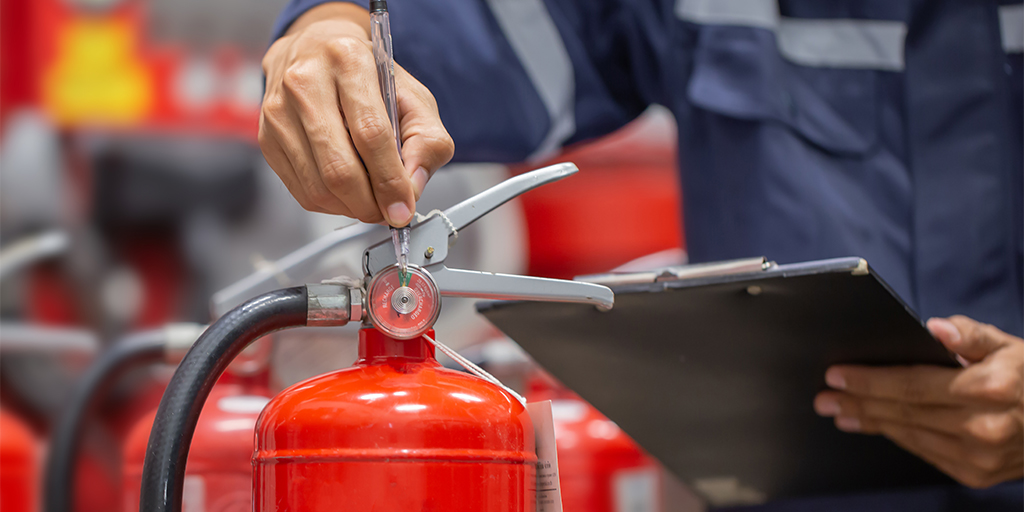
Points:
[396,431]
[19,467]
[219,473]
[135,350]
[599,467]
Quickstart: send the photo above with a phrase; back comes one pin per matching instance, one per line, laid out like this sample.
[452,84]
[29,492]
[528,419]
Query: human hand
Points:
[967,422]
[324,128]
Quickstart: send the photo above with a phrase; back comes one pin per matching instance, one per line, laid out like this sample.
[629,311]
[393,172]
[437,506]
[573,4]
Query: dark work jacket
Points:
[808,129]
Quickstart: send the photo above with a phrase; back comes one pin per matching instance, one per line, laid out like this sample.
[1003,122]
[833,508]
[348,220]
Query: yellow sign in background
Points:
[98,77]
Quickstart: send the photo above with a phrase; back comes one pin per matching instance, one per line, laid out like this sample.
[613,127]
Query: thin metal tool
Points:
[400,237]
[384,57]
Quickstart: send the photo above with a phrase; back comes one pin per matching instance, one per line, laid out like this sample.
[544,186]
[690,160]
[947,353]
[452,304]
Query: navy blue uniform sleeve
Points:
[518,79]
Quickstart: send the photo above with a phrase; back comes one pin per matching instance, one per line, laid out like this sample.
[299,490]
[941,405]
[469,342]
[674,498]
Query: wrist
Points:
[333,11]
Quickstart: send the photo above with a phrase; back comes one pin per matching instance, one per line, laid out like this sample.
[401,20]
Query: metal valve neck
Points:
[376,347]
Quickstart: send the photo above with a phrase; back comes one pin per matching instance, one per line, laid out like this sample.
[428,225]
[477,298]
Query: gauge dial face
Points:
[403,312]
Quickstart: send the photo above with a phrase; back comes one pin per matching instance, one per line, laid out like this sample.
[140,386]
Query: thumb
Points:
[423,156]
[425,150]
[969,339]
[426,144]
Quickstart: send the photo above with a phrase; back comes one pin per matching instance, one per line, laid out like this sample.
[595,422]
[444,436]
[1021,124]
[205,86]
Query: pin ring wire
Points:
[445,219]
[471,367]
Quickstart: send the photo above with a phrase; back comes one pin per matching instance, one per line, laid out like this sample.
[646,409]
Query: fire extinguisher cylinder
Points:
[396,431]
[164,468]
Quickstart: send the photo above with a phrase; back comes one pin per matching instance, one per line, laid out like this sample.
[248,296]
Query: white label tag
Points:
[243,404]
[636,489]
[549,498]
[193,496]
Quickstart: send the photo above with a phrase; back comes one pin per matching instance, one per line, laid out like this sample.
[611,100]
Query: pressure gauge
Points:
[403,308]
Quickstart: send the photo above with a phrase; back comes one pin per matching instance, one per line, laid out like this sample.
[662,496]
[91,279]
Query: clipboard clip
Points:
[681,272]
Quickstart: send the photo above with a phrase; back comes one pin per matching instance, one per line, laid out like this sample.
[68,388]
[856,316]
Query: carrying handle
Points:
[429,237]
[488,285]
[429,241]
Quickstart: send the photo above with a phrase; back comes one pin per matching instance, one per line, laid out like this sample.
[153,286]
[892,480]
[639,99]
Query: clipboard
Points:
[713,370]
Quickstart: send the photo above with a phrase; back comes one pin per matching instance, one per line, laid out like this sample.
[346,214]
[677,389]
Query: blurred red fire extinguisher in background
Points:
[19,465]
[397,431]
[165,344]
[220,476]
[219,473]
[600,468]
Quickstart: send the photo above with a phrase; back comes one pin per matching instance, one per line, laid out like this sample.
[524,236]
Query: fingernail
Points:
[848,424]
[419,180]
[943,328]
[399,214]
[827,406]
[834,379]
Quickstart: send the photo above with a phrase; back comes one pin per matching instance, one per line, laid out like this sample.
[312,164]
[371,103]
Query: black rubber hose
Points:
[163,473]
[130,352]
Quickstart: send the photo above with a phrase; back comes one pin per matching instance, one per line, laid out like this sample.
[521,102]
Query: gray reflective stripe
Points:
[1011,26]
[866,44]
[744,13]
[535,39]
[839,43]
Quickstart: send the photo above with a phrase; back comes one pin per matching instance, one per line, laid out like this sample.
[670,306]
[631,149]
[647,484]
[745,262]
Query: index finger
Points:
[372,132]
[911,384]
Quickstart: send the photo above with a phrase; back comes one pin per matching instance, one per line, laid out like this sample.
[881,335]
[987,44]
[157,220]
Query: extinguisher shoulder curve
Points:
[417,410]
[223,434]
[138,437]
[583,428]
[17,442]
[19,466]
